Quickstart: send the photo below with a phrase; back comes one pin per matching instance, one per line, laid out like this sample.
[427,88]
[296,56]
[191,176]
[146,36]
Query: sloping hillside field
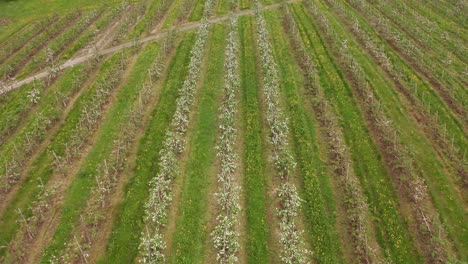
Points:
[234,131]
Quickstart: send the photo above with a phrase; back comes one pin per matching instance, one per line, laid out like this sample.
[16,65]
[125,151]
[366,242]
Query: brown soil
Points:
[46,232]
[44,44]
[406,207]
[26,41]
[8,196]
[5,21]
[421,117]
[100,243]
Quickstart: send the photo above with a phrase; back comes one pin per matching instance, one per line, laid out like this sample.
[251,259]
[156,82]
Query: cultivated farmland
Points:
[233,131]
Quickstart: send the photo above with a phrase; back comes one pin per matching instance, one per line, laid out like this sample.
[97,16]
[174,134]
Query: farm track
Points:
[154,37]
[25,112]
[24,129]
[340,138]
[60,45]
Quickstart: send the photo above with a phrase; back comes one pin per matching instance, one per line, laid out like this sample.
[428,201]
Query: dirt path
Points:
[72,62]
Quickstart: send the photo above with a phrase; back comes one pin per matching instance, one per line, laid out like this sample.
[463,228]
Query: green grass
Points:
[392,233]
[146,23]
[245,4]
[223,7]
[41,169]
[79,190]
[254,184]
[442,13]
[20,35]
[58,45]
[26,9]
[319,205]
[197,11]
[88,35]
[451,208]
[15,106]
[20,59]
[14,29]
[429,57]
[50,109]
[424,94]
[429,165]
[191,222]
[429,35]
[128,222]
[174,12]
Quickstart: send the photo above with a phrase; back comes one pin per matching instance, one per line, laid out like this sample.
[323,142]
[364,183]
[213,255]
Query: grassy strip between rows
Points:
[175,12]
[146,23]
[254,185]
[417,87]
[197,11]
[22,35]
[224,6]
[392,233]
[12,29]
[62,43]
[14,106]
[423,57]
[8,223]
[80,189]
[42,167]
[128,223]
[35,123]
[319,204]
[20,59]
[428,32]
[244,4]
[450,17]
[191,224]
[92,32]
[451,208]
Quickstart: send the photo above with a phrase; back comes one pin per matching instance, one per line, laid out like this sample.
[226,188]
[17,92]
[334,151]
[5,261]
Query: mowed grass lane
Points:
[60,44]
[392,233]
[427,163]
[128,221]
[42,167]
[19,60]
[418,89]
[33,127]
[319,204]
[254,185]
[188,245]
[16,106]
[84,182]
